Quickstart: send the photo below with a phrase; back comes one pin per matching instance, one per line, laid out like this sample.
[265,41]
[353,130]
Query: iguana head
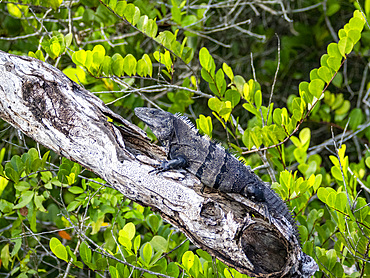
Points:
[160,122]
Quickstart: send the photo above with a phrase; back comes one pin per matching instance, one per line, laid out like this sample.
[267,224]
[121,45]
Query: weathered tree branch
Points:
[44,104]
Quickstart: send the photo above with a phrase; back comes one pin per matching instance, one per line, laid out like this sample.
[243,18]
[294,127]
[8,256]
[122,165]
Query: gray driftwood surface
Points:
[47,106]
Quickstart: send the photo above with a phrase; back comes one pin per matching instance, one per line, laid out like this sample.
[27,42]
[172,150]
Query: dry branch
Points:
[44,104]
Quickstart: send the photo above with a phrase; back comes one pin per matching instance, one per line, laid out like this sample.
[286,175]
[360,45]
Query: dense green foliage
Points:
[283,84]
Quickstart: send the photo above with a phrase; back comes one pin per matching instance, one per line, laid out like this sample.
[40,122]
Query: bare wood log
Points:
[47,106]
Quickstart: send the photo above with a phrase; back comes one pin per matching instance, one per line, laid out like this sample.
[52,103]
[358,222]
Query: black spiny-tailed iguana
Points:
[210,162]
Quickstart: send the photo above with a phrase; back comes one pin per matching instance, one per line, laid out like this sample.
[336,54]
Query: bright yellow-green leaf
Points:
[120,7]
[55,49]
[333,50]
[316,87]
[128,231]
[147,253]
[334,63]
[325,74]
[354,35]
[228,71]
[344,108]
[126,242]
[345,46]
[258,99]
[215,104]
[5,256]
[188,260]
[205,59]
[3,184]
[55,4]
[117,65]
[79,57]
[16,10]
[58,249]
[357,23]
[205,124]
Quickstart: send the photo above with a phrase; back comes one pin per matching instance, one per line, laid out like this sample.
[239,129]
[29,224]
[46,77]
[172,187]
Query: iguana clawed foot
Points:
[177,163]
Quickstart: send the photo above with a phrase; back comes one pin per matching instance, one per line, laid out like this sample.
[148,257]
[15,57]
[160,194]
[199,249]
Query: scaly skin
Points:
[211,163]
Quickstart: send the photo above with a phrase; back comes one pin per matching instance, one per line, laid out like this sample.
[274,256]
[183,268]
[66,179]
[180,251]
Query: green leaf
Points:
[337,174]
[14,10]
[343,109]
[313,74]
[206,60]
[129,12]
[11,173]
[332,258]
[2,153]
[367,162]
[341,202]
[146,253]
[137,243]
[300,155]
[355,118]
[173,270]
[113,272]
[188,260]
[38,202]
[345,46]
[176,12]
[167,61]
[79,57]
[357,23]
[58,249]
[316,87]
[120,7]
[325,74]
[128,231]
[3,183]
[239,82]
[256,136]
[126,242]
[258,99]
[25,199]
[333,50]
[247,139]
[334,63]
[322,194]
[55,4]
[215,104]
[354,35]
[220,82]
[154,222]
[117,65]
[17,164]
[73,205]
[205,125]
[305,137]
[228,71]
[233,96]
[5,256]
[85,253]
[98,54]
[68,39]
[159,244]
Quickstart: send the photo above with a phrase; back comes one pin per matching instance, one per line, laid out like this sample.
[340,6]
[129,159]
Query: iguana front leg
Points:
[176,163]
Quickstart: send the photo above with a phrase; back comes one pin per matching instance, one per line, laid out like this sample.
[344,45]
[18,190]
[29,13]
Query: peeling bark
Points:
[44,104]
